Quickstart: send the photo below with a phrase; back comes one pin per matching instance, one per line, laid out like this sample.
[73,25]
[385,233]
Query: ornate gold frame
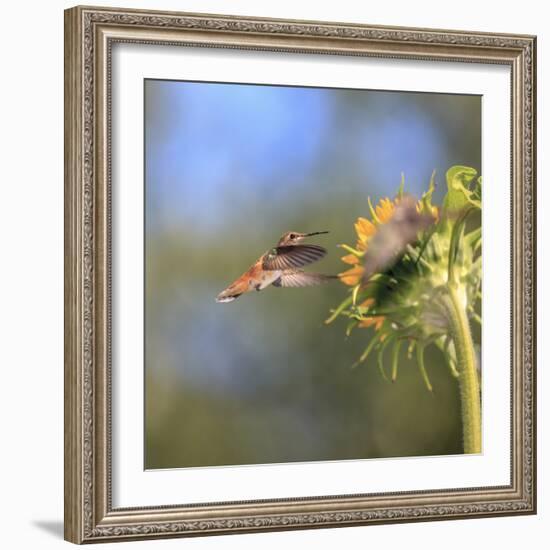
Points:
[89,35]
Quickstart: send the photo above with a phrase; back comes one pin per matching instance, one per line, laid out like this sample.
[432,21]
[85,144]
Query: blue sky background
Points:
[209,142]
[229,168]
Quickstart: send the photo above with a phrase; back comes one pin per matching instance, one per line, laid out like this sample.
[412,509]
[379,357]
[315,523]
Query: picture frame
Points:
[90,35]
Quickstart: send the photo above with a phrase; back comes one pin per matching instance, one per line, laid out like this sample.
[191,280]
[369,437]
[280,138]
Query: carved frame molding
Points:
[89,36]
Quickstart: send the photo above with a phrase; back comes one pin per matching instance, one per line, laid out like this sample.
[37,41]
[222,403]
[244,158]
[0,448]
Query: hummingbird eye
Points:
[292,235]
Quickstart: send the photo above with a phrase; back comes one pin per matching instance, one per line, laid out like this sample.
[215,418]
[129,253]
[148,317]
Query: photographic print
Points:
[312,274]
[276,312]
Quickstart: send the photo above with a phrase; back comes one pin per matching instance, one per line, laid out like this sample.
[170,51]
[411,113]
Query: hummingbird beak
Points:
[315,233]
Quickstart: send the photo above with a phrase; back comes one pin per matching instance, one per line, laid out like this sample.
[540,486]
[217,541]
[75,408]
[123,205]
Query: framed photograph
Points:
[300,274]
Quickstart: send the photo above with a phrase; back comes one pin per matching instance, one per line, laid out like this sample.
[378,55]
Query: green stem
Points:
[466,365]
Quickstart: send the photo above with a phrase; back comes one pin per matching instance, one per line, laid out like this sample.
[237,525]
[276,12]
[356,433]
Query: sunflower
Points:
[427,292]
[403,302]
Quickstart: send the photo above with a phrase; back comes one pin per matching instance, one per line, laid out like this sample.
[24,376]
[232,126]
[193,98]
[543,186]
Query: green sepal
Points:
[367,351]
[459,195]
[395,360]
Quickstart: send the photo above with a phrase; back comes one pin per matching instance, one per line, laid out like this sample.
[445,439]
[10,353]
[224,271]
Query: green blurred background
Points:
[229,168]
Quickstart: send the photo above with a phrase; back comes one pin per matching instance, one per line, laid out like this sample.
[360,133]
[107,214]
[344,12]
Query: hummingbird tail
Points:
[225,299]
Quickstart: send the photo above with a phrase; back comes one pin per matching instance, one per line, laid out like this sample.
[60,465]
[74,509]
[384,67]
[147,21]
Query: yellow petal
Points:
[352,276]
[384,210]
[370,321]
[361,246]
[364,229]
[351,259]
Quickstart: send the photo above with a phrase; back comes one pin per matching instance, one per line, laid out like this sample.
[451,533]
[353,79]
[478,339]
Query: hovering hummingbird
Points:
[280,267]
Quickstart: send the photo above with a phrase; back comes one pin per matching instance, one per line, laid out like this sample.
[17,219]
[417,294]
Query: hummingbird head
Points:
[294,237]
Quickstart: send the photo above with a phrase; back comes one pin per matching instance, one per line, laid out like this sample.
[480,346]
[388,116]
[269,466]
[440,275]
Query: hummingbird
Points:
[280,266]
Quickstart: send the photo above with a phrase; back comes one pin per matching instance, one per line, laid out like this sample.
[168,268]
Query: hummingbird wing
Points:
[300,279]
[293,256]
